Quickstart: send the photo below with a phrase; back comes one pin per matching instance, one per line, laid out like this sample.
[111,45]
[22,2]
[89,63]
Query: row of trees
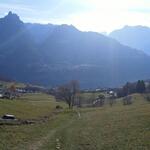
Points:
[129,88]
[70,93]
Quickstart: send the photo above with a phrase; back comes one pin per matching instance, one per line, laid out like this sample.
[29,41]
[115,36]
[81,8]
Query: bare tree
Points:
[12,88]
[78,100]
[68,92]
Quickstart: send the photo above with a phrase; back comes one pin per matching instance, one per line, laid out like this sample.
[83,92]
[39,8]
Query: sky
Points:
[86,15]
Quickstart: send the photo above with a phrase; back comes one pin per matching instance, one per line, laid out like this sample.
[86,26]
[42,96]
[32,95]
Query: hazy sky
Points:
[94,15]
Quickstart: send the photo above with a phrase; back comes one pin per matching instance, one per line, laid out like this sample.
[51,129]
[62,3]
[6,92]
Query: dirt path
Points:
[38,144]
[45,139]
[78,113]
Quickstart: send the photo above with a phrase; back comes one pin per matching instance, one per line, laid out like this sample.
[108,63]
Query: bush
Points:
[127,100]
[59,107]
[147,98]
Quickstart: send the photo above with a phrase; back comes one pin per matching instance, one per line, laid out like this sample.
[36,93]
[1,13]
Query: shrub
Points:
[127,100]
[59,107]
[147,98]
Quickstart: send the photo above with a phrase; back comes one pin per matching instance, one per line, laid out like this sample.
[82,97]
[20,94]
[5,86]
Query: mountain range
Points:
[133,36]
[54,54]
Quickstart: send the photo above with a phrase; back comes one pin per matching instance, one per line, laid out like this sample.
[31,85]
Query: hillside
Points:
[133,36]
[118,127]
[53,54]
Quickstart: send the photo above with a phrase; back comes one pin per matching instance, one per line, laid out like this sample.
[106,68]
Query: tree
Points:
[127,89]
[148,87]
[140,86]
[78,100]
[68,92]
[12,88]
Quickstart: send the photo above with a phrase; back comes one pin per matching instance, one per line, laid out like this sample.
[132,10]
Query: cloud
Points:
[109,15]
[96,15]
[15,7]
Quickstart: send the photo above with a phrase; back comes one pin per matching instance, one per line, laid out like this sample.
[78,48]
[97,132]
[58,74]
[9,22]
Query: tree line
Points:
[130,88]
[70,93]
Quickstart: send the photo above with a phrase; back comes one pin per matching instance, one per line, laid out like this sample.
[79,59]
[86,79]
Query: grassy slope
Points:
[29,106]
[8,84]
[95,95]
[119,128]
[116,128]
[17,84]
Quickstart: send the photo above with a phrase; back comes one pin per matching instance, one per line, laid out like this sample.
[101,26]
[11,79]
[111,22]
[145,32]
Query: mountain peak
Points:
[12,17]
[10,13]
[68,27]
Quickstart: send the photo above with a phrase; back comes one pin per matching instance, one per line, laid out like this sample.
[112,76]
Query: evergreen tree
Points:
[140,86]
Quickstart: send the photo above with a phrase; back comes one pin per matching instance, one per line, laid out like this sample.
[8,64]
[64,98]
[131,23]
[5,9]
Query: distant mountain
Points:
[18,51]
[134,36]
[54,54]
[40,32]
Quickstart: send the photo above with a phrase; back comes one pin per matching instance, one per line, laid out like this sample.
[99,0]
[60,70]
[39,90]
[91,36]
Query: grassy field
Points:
[107,128]
[92,95]
[30,106]
[8,84]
